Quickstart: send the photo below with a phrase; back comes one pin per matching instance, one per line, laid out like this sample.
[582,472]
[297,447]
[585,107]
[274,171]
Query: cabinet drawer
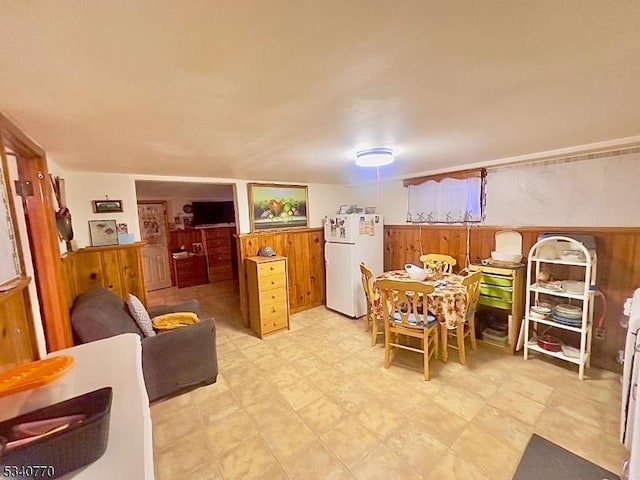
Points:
[270,268]
[494,291]
[219,255]
[216,243]
[497,280]
[273,308]
[219,273]
[273,321]
[275,295]
[269,282]
[494,302]
[220,232]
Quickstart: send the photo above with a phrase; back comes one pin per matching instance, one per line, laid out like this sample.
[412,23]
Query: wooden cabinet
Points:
[184,238]
[117,267]
[217,244]
[268,294]
[502,288]
[190,271]
[218,249]
[17,336]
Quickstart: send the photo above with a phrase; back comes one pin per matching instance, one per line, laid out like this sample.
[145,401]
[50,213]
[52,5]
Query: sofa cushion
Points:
[98,313]
[140,315]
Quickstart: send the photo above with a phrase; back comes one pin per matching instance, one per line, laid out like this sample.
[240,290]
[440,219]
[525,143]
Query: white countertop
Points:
[114,362]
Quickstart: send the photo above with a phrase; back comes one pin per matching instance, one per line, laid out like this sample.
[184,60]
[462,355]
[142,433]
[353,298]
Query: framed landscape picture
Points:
[273,206]
[103,232]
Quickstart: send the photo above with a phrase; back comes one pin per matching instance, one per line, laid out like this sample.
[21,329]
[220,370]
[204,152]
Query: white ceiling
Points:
[289,90]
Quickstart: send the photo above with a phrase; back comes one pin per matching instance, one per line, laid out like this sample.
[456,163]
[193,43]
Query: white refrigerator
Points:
[630,408]
[349,240]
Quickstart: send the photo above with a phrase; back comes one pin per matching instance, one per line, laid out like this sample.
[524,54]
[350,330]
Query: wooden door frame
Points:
[42,233]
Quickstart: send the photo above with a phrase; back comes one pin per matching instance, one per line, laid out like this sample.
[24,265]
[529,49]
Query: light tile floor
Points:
[316,403]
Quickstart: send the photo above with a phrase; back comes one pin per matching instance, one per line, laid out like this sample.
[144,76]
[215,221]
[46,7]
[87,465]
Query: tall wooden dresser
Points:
[218,249]
[268,294]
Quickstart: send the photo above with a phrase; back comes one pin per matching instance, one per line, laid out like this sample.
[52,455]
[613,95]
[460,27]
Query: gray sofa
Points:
[171,361]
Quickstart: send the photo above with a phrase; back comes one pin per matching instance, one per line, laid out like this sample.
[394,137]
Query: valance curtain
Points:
[446,199]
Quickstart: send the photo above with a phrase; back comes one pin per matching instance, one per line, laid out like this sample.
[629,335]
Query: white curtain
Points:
[447,201]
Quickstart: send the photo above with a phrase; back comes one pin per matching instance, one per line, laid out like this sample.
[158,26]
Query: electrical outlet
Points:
[599,333]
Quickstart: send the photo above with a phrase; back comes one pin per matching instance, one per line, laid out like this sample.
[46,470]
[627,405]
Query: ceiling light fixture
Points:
[374,157]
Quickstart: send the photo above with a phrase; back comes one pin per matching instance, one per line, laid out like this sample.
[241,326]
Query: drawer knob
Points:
[271,268]
[273,297]
[273,310]
[272,282]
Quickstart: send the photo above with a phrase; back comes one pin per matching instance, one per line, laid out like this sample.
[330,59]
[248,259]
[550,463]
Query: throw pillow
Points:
[170,321]
[140,315]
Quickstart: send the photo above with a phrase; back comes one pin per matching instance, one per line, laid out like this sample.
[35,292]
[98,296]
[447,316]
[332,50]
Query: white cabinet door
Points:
[340,278]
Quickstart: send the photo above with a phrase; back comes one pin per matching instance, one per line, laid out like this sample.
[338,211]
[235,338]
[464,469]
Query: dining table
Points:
[447,302]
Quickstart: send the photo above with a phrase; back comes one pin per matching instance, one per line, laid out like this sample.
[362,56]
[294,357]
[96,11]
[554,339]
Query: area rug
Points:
[543,460]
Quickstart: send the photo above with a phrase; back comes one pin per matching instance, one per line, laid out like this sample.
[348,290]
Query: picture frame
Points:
[103,232]
[275,206]
[107,206]
[197,247]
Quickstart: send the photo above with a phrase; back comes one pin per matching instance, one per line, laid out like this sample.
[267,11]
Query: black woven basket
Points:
[67,450]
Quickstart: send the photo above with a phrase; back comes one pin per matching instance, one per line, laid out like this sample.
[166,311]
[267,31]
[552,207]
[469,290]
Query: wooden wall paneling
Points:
[111,271]
[69,277]
[118,268]
[17,336]
[317,266]
[618,270]
[131,271]
[299,272]
[88,271]
[304,250]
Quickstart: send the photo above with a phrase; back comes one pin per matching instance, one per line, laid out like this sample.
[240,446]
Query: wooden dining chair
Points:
[466,328]
[447,261]
[404,306]
[374,316]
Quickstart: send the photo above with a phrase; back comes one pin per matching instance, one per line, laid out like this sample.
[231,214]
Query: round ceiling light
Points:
[374,157]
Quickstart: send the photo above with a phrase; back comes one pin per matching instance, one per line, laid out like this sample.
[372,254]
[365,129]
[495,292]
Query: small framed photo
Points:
[103,232]
[107,206]
[197,247]
[122,228]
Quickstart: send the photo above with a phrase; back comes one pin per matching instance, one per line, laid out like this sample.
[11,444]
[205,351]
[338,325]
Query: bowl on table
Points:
[415,272]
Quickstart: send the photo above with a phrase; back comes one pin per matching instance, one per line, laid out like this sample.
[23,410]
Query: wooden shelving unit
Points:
[502,288]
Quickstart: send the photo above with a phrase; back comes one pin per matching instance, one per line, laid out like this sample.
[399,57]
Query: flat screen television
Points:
[210,213]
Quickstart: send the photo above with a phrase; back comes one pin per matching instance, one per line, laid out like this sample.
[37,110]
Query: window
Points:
[450,198]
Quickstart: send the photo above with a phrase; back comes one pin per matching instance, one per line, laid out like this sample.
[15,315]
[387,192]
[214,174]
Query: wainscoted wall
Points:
[618,269]
[304,250]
